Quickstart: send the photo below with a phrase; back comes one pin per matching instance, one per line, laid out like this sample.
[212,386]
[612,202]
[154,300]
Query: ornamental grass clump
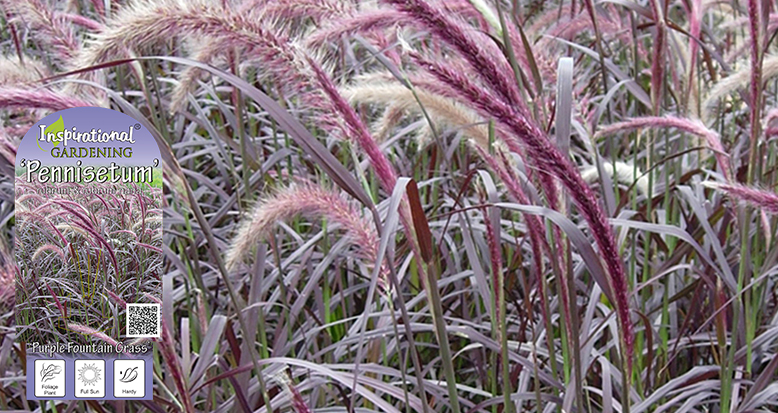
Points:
[409,205]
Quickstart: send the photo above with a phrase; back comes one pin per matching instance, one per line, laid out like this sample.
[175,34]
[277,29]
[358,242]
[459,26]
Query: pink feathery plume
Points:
[486,61]
[756,70]
[82,21]
[766,200]
[304,199]
[535,228]
[92,332]
[316,9]
[695,25]
[359,23]
[357,129]
[692,126]
[17,98]
[49,27]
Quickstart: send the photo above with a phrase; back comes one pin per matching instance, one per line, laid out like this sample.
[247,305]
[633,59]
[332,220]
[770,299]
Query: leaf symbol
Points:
[129,375]
[54,128]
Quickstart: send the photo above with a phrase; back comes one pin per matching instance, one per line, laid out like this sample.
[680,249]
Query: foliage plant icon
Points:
[48,372]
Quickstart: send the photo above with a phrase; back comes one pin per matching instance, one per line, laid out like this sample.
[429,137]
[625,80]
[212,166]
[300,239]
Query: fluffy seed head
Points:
[92,332]
[301,199]
[760,198]
[693,126]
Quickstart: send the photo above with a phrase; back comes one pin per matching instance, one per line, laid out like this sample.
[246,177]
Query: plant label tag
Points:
[88,246]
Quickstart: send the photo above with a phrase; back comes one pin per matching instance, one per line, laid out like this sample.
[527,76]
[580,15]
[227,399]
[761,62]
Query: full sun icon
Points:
[89,374]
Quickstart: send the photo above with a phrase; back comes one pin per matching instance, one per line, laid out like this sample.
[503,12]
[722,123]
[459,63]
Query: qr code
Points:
[143,320]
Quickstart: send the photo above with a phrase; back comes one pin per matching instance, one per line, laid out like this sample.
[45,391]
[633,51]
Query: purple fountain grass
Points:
[144,23]
[7,278]
[15,73]
[581,23]
[488,64]
[28,196]
[124,231]
[48,247]
[486,61]
[167,348]
[756,63]
[693,126]
[451,90]
[48,27]
[92,332]
[695,27]
[760,198]
[32,218]
[468,10]
[495,256]
[303,199]
[298,403]
[285,62]
[99,239]
[16,98]
[658,60]
[360,23]
[149,247]
[189,76]
[82,21]
[357,129]
[754,18]
[62,310]
[610,28]
[547,157]
[70,206]
[315,9]
[551,18]
[116,298]
[535,228]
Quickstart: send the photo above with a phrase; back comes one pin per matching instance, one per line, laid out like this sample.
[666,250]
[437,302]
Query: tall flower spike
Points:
[547,157]
[357,130]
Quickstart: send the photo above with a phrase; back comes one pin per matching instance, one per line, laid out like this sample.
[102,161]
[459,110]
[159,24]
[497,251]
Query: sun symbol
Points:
[89,374]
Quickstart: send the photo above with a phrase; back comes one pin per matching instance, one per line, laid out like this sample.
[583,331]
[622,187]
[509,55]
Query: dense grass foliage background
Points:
[432,205]
[90,250]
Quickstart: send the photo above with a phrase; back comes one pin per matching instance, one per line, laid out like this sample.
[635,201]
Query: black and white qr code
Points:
[143,320]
